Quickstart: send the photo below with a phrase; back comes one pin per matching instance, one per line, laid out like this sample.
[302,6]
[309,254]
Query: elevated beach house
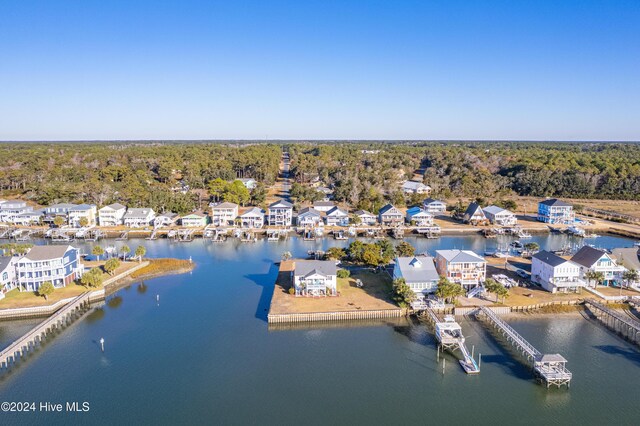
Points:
[419,217]
[57,210]
[413,187]
[112,215]
[366,218]
[138,217]
[12,208]
[474,215]
[499,216]
[555,212]
[224,214]
[419,273]
[596,260]
[309,217]
[253,218]
[337,217]
[81,213]
[29,218]
[165,219]
[8,279]
[194,220]
[554,273]
[463,267]
[435,207]
[58,264]
[315,277]
[280,213]
[390,216]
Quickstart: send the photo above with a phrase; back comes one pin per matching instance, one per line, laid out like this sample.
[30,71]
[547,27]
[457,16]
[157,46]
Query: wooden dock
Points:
[549,368]
[27,342]
[615,321]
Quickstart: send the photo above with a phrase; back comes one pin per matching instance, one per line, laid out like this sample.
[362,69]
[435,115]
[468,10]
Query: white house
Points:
[224,214]
[315,277]
[366,218]
[111,215]
[596,260]
[249,183]
[138,217]
[309,217]
[194,220]
[28,218]
[8,279]
[165,219]
[89,212]
[413,187]
[252,218]
[280,213]
[11,208]
[419,272]
[323,206]
[337,217]
[462,266]
[58,264]
[474,215]
[419,217]
[435,207]
[499,216]
[555,211]
[390,215]
[554,273]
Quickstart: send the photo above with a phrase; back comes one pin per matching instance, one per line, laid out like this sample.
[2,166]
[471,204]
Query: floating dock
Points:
[549,369]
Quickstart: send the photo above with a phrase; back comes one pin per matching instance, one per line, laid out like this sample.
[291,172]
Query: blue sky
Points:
[534,70]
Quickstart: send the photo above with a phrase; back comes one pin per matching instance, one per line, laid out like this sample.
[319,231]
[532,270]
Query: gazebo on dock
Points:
[552,369]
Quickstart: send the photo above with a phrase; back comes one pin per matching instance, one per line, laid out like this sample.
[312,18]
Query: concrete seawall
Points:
[334,316]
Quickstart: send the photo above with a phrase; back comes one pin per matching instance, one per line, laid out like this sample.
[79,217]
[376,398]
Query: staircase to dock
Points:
[615,321]
[549,369]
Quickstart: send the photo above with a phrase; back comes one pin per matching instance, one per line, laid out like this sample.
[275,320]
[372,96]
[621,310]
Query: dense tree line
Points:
[134,174]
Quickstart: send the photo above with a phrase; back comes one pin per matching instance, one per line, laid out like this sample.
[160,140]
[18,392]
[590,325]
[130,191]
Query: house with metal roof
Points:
[224,214]
[194,220]
[596,260]
[414,187]
[315,277]
[462,266]
[554,273]
[499,216]
[111,215]
[59,264]
[253,218]
[83,213]
[555,212]
[280,213]
[138,217]
[418,272]
[309,216]
[419,217]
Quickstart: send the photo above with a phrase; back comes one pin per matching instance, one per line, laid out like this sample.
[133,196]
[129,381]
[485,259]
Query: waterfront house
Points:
[337,217]
[419,273]
[60,209]
[366,218]
[315,277]
[194,220]
[413,187]
[554,273]
[309,217]
[434,207]
[419,217]
[249,183]
[28,218]
[555,212]
[253,218]
[112,215]
[8,280]
[280,213]
[499,216]
[461,266]
[474,215]
[596,260]
[323,206]
[390,216]
[224,214]
[82,212]
[58,264]
[12,208]
[165,219]
[138,217]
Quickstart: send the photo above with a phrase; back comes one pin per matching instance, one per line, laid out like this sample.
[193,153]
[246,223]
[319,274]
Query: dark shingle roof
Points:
[46,252]
[587,256]
[304,267]
[549,258]
[555,202]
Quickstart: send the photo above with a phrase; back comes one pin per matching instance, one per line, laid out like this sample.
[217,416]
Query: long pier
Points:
[28,342]
[548,368]
[616,321]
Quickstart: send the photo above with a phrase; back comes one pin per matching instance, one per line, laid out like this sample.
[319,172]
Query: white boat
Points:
[574,230]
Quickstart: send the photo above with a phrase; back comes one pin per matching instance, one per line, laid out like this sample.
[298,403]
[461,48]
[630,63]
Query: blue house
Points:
[555,212]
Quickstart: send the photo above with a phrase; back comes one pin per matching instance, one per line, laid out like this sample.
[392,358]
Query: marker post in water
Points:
[102,343]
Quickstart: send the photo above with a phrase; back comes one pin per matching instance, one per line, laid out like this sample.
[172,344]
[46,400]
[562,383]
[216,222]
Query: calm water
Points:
[205,355]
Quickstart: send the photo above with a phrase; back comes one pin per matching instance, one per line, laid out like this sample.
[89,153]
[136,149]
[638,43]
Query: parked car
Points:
[522,273]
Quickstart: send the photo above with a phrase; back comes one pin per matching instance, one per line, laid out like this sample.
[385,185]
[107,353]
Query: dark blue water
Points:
[205,355]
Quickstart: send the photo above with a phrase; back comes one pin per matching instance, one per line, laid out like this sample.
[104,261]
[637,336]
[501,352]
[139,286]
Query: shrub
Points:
[343,273]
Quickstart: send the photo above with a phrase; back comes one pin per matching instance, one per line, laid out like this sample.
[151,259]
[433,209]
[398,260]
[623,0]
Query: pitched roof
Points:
[82,207]
[555,202]
[494,210]
[281,203]
[4,262]
[387,208]
[473,209]
[417,210]
[363,212]
[549,258]
[114,206]
[460,256]
[325,267]
[47,252]
[433,201]
[324,203]
[417,268]
[587,256]
[253,211]
[225,205]
[309,211]
[337,211]
[137,212]
[195,215]
[412,184]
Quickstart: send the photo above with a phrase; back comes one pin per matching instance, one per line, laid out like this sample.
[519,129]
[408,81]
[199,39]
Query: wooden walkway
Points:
[549,368]
[27,342]
[616,321]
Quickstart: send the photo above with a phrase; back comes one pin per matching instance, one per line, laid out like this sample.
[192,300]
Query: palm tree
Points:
[125,250]
[590,276]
